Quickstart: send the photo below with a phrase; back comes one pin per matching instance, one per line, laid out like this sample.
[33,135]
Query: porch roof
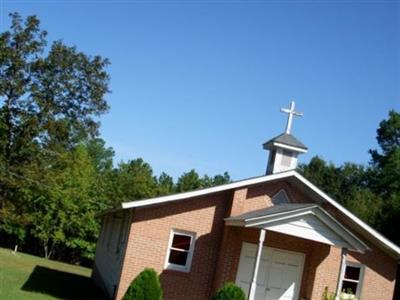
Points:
[308,221]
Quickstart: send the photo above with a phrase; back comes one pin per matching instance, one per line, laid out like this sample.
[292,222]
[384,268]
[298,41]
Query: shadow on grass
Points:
[61,284]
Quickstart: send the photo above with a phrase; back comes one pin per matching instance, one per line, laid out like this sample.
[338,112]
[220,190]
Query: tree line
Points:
[56,172]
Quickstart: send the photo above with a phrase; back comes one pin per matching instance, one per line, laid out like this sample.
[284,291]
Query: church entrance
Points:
[279,275]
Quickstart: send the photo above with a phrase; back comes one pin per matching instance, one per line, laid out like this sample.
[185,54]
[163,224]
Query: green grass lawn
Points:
[24,276]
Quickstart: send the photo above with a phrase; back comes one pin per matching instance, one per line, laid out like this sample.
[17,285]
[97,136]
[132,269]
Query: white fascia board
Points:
[341,230]
[202,192]
[319,213]
[258,220]
[348,214]
[290,147]
[276,218]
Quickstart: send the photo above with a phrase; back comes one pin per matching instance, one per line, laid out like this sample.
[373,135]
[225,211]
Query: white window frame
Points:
[359,282]
[171,266]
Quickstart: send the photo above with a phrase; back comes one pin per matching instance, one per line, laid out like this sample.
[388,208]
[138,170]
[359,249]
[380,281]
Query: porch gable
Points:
[308,221]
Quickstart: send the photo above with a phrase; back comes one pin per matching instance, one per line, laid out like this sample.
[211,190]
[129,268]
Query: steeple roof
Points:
[285,139]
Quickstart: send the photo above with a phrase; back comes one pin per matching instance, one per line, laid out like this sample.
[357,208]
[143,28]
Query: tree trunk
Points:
[46,252]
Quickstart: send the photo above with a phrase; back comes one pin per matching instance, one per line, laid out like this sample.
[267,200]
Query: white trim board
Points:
[262,179]
[290,147]
[312,223]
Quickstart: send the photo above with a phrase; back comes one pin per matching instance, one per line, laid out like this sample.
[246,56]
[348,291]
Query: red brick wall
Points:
[380,268]
[148,243]
[380,274]
[260,196]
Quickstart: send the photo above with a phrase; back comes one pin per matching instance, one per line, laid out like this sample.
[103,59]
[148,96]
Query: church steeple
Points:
[284,148]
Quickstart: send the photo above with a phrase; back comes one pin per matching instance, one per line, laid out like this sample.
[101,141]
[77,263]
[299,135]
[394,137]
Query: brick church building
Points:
[277,236]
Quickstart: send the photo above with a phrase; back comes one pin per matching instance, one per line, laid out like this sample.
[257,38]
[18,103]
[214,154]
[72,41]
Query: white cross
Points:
[291,112]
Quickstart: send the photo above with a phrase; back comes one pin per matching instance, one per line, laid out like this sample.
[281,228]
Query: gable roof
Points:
[285,139]
[288,175]
[308,221]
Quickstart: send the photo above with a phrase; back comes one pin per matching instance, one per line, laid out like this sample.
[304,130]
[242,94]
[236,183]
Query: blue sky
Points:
[199,84]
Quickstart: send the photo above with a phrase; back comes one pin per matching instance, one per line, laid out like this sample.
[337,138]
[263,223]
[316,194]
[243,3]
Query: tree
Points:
[136,180]
[385,177]
[50,101]
[324,175]
[101,156]
[61,205]
[165,184]
[221,179]
[387,161]
[189,181]
[349,185]
[52,98]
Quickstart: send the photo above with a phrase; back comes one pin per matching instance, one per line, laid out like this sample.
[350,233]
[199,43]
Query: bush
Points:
[230,291]
[343,295]
[328,296]
[146,286]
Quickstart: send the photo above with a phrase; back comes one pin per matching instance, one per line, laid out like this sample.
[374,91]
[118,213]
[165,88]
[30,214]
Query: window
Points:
[180,250]
[351,282]
[280,197]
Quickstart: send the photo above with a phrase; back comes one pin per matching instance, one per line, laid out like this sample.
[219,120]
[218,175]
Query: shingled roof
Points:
[286,139]
[272,210]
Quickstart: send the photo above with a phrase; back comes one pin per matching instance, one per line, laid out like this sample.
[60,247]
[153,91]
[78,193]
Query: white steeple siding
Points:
[281,160]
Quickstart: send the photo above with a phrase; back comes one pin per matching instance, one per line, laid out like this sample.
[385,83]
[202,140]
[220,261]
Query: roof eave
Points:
[202,192]
[263,221]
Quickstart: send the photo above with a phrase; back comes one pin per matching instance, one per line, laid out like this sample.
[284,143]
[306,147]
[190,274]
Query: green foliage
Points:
[50,101]
[348,184]
[230,291]
[372,193]
[191,180]
[348,295]
[327,295]
[136,180]
[386,174]
[165,184]
[188,181]
[146,286]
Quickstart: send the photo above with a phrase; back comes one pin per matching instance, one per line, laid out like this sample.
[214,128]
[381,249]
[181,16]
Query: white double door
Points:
[279,275]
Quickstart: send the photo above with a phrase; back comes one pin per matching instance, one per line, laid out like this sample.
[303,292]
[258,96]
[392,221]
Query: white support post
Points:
[341,272]
[252,292]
